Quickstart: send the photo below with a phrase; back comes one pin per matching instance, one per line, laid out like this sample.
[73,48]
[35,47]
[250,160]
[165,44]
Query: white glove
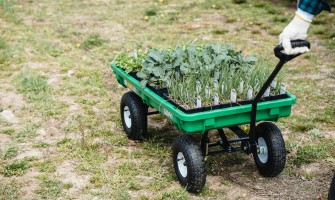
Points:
[295,30]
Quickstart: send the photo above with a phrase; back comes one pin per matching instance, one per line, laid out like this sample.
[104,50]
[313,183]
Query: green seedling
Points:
[208,66]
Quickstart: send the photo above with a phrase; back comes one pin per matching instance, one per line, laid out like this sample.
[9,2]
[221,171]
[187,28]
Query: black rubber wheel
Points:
[331,194]
[270,156]
[189,163]
[134,116]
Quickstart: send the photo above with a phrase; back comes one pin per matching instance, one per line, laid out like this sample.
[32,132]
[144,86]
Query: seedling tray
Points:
[163,92]
[220,106]
[208,118]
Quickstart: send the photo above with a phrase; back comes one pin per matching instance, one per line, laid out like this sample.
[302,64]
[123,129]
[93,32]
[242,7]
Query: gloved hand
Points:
[295,30]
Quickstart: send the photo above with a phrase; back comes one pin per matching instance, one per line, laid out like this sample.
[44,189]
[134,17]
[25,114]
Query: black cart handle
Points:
[294,43]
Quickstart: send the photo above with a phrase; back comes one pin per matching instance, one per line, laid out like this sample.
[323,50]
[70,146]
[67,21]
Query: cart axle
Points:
[225,144]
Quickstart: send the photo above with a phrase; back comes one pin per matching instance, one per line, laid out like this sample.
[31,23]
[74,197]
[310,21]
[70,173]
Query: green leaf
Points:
[143,83]
[218,59]
[250,59]
[156,55]
[168,67]
[157,71]
[141,75]
[184,68]
[177,61]
[217,48]
[207,58]
[128,61]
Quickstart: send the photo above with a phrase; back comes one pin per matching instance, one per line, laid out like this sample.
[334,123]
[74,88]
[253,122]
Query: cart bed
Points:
[206,120]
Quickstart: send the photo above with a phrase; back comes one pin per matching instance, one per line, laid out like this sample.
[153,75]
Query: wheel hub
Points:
[262,150]
[127,116]
[182,166]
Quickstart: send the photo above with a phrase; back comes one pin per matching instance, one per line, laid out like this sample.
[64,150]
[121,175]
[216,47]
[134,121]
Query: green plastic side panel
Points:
[203,121]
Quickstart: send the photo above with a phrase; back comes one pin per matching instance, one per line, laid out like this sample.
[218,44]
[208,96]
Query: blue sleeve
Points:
[314,7]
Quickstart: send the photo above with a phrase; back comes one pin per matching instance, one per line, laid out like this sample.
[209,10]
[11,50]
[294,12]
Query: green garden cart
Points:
[263,140]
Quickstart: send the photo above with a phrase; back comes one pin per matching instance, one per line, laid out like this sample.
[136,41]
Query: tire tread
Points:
[276,149]
[138,110]
[196,177]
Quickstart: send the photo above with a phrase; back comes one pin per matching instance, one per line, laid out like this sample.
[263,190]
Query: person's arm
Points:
[298,27]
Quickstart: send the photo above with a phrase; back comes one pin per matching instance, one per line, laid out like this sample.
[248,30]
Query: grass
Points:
[302,124]
[220,31]
[41,144]
[10,190]
[92,41]
[282,19]
[6,6]
[116,140]
[36,90]
[25,133]
[50,188]
[9,151]
[127,169]
[15,168]
[91,138]
[239,1]
[64,141]
[34,87]
[4,56]
[121,194]
[97,181]
[46,166]
[3,44]
[8,131]
[175,194]
[150,12]
[311,153]
[212,4]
